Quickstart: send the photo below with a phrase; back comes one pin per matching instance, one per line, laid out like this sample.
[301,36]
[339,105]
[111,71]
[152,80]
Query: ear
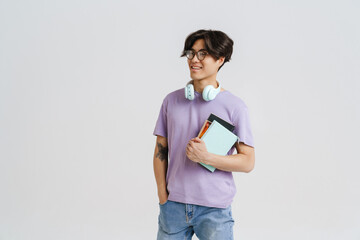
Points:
[221,61]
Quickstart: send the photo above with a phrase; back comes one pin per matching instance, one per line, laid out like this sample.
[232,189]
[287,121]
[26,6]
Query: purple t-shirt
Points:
[179,121]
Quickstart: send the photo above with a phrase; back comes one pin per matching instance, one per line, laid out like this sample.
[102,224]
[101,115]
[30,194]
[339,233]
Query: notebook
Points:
[218,140]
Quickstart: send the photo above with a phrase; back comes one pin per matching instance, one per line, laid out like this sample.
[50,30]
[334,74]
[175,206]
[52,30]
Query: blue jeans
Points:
[181,221]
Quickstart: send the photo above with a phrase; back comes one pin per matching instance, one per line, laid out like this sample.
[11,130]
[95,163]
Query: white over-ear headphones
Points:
[209,93]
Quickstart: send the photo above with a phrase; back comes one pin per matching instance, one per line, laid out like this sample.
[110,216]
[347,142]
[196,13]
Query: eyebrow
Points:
[200,49]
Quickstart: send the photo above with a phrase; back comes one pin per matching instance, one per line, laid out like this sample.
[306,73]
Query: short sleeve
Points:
[161,123]
[242,126]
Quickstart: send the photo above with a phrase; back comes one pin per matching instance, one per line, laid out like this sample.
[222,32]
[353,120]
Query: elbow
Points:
[250,165]
[248,170]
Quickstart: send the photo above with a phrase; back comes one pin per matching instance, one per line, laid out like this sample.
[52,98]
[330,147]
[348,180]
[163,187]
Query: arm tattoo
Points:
[162,152]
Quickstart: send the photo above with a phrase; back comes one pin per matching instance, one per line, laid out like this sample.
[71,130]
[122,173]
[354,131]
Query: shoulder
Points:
[234,101]
[174,95]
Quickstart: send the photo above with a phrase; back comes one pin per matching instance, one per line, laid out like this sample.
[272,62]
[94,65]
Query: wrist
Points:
[162,191]
[163,199]
[163,196]
[207,158]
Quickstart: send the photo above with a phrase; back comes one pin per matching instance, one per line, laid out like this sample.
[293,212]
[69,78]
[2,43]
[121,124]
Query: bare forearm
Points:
[243,161]
[160,167]
[231,163]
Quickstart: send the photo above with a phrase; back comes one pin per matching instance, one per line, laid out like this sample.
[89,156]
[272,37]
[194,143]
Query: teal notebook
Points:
[218,140]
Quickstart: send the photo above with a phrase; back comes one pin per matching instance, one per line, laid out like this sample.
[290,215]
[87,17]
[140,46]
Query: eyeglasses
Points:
[201,54]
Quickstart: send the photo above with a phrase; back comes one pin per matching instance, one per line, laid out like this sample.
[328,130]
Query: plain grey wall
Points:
[81,85]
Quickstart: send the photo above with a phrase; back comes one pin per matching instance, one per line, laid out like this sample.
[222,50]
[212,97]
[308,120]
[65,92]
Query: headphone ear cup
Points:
[189,92]
[209,93]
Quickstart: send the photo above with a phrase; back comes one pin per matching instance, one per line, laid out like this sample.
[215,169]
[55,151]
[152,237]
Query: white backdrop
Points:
[81,85]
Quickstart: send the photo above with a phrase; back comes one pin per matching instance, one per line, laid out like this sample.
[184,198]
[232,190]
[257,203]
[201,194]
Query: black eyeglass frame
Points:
[193,52]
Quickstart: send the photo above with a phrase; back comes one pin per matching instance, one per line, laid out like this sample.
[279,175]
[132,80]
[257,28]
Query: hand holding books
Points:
[217,135]
[196,150]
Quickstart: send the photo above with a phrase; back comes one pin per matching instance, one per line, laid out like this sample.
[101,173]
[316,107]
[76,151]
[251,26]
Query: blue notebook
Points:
[218,140]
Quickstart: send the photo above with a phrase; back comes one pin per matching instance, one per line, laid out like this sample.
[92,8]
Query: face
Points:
[205,69]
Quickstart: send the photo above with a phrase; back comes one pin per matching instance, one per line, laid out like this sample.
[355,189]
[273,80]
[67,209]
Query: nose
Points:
[195,59]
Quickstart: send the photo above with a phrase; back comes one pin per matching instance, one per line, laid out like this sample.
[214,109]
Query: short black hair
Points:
[217,43]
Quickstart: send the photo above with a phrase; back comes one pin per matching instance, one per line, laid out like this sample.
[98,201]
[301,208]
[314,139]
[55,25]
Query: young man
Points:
[192,199]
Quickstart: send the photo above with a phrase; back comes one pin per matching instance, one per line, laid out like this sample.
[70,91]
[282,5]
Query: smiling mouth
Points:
[196,68]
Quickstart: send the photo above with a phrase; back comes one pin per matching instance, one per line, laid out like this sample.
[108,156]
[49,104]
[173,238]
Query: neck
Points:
[199,85]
